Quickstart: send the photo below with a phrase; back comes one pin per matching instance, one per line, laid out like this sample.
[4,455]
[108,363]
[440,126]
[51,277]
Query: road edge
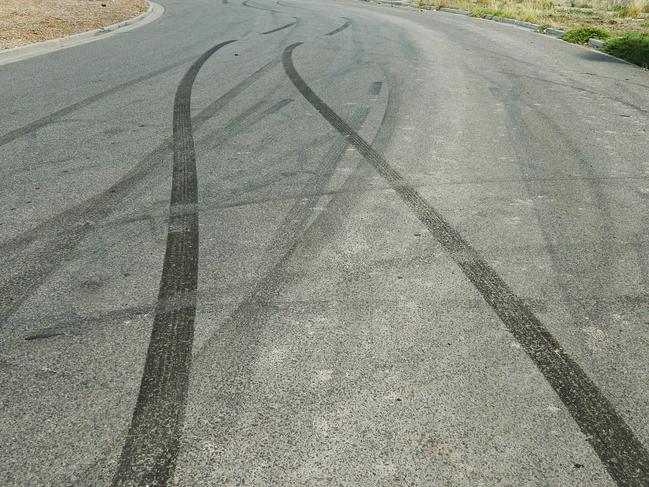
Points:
[27,51]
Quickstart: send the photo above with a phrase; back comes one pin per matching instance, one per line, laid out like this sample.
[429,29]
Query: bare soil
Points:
[27,21]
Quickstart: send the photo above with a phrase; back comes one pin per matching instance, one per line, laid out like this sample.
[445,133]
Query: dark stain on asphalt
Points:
[623,455]
[38,336]
[375,88]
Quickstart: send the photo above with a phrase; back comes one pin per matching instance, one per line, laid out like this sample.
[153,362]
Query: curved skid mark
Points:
[347,23]
[239,335]
[48,119]
[151,448]
[56,238]
[282,27]
[623,455]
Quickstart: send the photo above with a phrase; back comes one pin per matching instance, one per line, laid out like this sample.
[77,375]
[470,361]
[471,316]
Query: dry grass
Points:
[26,21]
[637,7]
[616,16]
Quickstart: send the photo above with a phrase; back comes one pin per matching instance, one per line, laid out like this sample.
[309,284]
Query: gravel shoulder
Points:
[26,21]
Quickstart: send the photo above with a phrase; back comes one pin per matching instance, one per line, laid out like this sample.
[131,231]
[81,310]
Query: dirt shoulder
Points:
[27,21]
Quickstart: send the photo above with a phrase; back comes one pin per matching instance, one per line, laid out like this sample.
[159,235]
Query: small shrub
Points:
[580,35]
[633,46]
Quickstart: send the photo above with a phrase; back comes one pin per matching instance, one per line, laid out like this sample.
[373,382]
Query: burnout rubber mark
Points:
[58,236]
[48,119]
[281,28]
[623,455]
[149,455]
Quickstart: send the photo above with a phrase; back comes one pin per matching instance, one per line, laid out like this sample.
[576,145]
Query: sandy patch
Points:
[26,21]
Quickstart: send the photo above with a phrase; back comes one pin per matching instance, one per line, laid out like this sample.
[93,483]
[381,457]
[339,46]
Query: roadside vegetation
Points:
[622,24]
[633,46]
[580,35]
[615,16]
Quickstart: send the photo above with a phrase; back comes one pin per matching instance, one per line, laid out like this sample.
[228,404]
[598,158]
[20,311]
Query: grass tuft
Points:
[477,12]
[633,46]
[580,35]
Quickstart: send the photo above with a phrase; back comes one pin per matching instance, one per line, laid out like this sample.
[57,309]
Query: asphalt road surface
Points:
[324,243]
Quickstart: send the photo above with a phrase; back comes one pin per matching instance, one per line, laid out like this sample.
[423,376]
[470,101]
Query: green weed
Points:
[580,35]
[633,46]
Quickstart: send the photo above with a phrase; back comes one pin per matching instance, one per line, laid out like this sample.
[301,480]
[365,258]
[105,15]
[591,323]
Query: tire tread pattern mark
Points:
[623,455]
[149,455]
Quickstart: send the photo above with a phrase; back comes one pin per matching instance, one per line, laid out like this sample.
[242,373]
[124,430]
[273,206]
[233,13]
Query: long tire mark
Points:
[347,23]
[41,122]
[623,455]
[281,28]
[54,240]
[149,455]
